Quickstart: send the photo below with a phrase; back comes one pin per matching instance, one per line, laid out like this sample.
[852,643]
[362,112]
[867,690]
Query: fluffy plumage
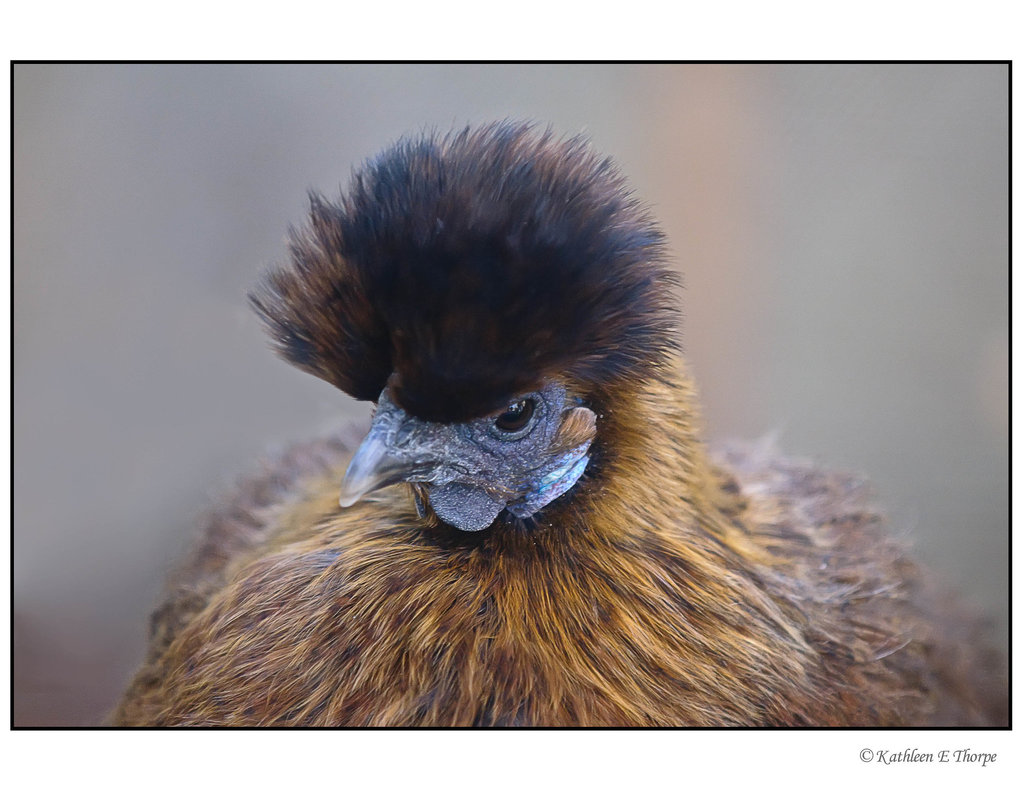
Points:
[472,267]
[667,587]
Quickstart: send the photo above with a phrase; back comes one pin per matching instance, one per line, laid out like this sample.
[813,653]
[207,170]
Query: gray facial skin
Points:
[472,470]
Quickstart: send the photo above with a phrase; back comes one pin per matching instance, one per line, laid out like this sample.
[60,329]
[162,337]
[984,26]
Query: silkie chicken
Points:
[532,532]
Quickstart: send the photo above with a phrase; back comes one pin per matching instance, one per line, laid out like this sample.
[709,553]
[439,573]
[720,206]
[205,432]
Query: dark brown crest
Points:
[471,266]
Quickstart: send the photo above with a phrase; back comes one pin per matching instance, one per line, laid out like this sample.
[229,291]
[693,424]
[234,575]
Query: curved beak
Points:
[374,466]
[383,459]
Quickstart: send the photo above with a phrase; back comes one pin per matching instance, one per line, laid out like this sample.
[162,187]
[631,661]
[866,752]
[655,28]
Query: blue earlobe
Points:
[564,473]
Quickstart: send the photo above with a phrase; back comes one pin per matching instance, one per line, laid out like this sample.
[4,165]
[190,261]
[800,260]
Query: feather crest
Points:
[471,266]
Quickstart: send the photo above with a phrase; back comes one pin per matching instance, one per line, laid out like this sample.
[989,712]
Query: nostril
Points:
[405,434]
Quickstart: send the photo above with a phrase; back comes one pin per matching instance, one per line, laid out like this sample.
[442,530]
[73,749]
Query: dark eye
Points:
[516,417]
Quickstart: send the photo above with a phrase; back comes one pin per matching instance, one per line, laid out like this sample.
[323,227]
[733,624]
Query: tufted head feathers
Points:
[468,269]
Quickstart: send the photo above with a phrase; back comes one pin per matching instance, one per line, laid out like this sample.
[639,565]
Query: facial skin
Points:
[519,459]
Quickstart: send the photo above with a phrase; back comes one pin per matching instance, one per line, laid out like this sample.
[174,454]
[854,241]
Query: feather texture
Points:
[674,595]
[470,267]
[668,587]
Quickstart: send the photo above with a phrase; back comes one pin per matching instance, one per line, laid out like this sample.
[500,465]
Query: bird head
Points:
[493,291]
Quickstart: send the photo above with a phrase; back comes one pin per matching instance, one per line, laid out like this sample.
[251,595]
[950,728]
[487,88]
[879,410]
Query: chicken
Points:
[532,532]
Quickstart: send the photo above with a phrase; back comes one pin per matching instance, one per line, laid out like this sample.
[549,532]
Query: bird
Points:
[531,531]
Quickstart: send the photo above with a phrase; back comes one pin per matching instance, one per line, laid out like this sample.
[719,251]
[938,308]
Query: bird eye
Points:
[516,416]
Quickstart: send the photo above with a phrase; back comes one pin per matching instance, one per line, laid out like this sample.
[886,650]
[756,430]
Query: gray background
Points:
[842,231]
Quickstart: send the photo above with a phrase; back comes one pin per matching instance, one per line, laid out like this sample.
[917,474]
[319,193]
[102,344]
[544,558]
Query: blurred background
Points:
[842,230]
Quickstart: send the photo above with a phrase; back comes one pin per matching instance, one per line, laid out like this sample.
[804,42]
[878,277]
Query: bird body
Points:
[534,533]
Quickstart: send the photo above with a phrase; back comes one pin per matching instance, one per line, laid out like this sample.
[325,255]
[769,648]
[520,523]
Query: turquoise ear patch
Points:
[565,471]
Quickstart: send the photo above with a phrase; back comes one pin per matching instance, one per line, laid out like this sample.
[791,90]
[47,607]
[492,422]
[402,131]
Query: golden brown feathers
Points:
[780,604]
[665,588]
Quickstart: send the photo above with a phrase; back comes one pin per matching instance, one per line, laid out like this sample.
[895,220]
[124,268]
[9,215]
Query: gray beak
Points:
[393,451]
[372,467]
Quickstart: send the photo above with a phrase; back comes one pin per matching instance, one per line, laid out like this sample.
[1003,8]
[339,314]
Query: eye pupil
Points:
[516,416]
